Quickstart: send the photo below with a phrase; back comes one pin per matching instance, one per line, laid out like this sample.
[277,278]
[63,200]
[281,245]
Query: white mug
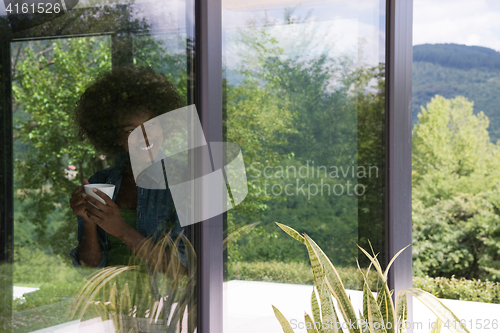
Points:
[107,189]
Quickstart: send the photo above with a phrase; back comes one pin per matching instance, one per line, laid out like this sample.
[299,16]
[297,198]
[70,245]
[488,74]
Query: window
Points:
[51,66]
[320,87]
[305,99]
[454,78]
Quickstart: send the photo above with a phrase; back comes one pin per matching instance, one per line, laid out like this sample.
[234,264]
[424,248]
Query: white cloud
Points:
[470,22]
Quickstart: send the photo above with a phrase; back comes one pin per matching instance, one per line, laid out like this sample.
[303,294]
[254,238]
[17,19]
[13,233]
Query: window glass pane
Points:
[305,100]
[81,84]
[456,128]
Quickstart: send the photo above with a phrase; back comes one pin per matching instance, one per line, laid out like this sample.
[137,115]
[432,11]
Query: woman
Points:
[108,111]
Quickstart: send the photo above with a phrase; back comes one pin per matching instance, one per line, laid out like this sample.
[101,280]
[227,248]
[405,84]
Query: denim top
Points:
[118,252]
[155,214]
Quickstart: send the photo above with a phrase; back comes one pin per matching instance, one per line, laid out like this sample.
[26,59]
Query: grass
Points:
[35,268]
[57,279]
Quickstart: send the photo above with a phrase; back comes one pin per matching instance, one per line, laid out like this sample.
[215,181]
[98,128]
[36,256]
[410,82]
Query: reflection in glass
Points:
[49,77]
[305,100]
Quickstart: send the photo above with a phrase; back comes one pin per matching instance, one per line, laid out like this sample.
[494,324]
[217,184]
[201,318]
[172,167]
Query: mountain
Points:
[451,70]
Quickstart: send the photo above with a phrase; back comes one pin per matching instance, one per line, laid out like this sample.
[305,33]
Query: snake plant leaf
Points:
[375,263]
[401,311]
[125,305]
[392,261]
[94,286]
[384,300]
[386,306]
[292,232]
[333,281]
[438,326]
[316,266]
[284,323]
[102,310]
[374,318]
[364,328]
[177,318]
[237,234]
[315,309]
[330,318]
[438,308]
[310,326]
[365,308]
[113,299]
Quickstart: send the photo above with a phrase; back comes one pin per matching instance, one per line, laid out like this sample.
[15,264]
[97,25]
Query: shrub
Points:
[34,267]
[460,289]
[292,272]
[458,237]
[301,273]
[47,294]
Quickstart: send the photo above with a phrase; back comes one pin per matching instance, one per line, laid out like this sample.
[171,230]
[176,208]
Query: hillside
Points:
[450,70]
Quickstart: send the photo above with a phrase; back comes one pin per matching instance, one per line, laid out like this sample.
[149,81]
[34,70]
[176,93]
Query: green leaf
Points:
[284,323]
[292,232]
[310,327]
[237,234]
[125,304]
[315,308]
[372,313]
[386,306]
[401,311]
[392,261]
[316,265]
[328,311]
[439,326]
[113,299]
[438,308]
[321,264]
[376,263]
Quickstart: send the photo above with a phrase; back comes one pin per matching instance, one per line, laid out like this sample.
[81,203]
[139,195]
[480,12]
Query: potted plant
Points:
[150,295]
[379,315]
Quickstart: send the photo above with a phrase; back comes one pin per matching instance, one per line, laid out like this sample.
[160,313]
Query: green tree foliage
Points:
[166,55]
[47,84]
[257,120]
[330,103]
[371,154]
[283,110]
[452,151]
[455,192]
[458,237]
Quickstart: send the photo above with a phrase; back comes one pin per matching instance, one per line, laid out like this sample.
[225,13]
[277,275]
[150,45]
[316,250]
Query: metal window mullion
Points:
[399,95]
[208,99]
[7,189]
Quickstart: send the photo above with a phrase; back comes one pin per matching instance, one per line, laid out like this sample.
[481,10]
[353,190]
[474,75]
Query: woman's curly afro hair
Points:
[119,94]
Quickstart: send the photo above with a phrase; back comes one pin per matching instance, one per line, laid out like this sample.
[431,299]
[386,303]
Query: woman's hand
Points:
[108,216]
[77,201]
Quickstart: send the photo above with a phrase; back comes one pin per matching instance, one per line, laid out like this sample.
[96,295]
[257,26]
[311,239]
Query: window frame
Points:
[208,97]
[399,58]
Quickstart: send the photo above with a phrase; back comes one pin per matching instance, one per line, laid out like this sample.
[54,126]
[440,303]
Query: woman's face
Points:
[140,135]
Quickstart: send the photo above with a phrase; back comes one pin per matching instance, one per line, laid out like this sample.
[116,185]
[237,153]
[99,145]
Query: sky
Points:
[469,22]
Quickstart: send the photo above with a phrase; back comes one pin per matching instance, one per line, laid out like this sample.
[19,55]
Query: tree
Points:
[455,192]
[458,237]
[330,102]
[452,151]
[47,84]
